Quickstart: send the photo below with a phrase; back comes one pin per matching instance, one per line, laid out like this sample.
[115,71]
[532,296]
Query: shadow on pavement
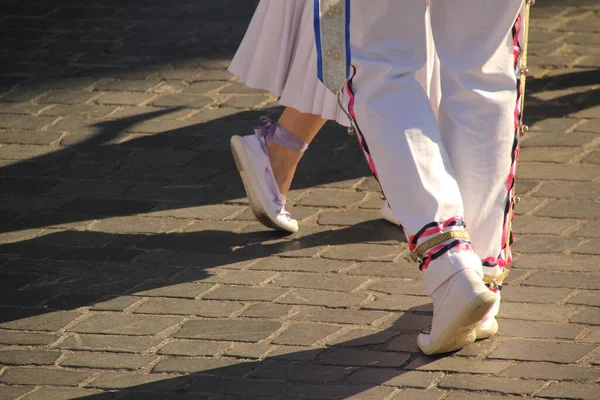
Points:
[328,373]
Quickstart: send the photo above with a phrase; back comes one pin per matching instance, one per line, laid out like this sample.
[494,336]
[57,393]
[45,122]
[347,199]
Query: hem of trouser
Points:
[446,266]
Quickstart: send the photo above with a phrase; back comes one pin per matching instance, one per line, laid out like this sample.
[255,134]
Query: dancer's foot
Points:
[459,304]
[268,204]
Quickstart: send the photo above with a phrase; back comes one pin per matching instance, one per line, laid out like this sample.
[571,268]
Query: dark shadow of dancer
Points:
[364,363]
[70,269]
[191,164]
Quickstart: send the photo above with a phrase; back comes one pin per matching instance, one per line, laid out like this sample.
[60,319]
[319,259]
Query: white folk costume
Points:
[460,167]
[278,54]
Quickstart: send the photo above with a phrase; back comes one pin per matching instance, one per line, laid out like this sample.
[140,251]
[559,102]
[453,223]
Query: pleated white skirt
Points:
[278,54]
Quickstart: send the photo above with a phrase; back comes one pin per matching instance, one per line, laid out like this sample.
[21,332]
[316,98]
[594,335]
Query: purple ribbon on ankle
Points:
[273,132]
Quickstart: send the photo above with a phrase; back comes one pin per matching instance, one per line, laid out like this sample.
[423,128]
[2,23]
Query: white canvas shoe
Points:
[253,163]
[488,326]
[459,304]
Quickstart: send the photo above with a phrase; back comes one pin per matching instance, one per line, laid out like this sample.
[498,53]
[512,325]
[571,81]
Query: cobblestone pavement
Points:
[130,265]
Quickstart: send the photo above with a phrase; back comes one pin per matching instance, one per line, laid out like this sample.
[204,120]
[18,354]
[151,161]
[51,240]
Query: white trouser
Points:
[461,166]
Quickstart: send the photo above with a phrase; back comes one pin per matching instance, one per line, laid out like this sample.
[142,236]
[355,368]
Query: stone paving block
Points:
[593,158]
[266,310]
[241,277]
[107,361]
[400,286]
[536,312]
[479,396]
[182,290]
[322,298]
[300,265]
[549,154]
[344,218]
[370,358]
[28,357]
[109,343]
[295,353]
[400,303]
[570,209]
[592,248]
[117,304]
[213,366]
[299,372]
[182,100]
[591,316]
[243,293]
[238,388]
[363,337]
[502,385]
[536,329]
[588,230]
[124,98]
[337,282]
[116,324]
[404,342]
[65,394]
[534,294]
[556,262]
[568,190]
[245,102]
[397,269]
[43,376]
[200,308]
[14,136]
[13,392]
[234,330]
[409,394]
[528,350]
[305,334]
[562,390]
[557,172]
[556,279]
[151,382]
[215,212]
[249,350]
[551,372]
[363,252]
[25,122]
[137,225]
[338,316]
[458,364]
[194,348]
[49,321]
[542,226]
[331,198]
[586,299]
[333,392]
[593,336]
[26,338]
[65,97]
[544,244]
[394,377]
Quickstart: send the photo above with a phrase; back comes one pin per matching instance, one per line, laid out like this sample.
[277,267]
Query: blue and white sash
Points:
[332,35]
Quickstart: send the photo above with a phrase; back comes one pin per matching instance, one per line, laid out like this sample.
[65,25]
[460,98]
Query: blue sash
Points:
[332,35]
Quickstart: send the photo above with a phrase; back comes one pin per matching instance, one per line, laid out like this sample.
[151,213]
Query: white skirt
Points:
[278,54]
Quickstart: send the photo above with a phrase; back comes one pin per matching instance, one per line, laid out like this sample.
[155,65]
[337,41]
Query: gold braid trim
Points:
[498,279]
[442,237]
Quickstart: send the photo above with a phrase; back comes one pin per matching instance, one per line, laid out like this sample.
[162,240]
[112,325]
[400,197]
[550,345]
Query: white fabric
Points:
[278,54]
[459,167]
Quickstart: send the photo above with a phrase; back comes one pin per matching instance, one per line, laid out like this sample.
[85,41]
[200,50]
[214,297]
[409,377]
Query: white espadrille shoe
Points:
[459,304]
[268,205]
